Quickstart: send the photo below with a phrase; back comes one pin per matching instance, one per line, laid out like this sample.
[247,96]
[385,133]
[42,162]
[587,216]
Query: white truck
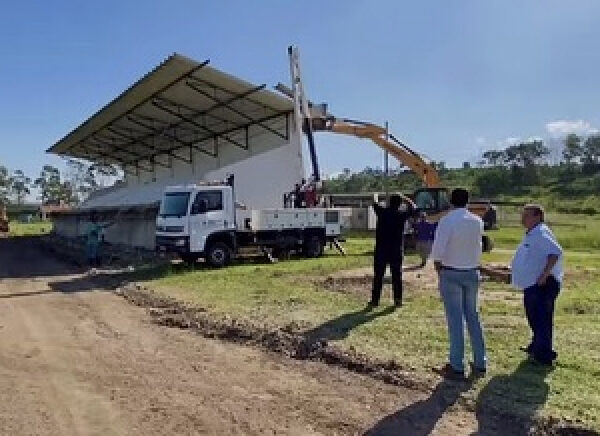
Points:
[204,221]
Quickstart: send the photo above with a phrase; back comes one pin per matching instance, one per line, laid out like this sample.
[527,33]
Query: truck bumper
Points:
[172,244]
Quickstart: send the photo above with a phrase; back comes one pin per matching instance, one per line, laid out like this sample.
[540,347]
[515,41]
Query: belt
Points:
[449,268]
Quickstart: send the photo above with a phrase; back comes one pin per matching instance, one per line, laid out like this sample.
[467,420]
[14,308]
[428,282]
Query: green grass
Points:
[289,292]
[29,229]
[574,232]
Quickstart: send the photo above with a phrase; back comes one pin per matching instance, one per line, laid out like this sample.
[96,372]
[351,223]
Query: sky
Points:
[452,78]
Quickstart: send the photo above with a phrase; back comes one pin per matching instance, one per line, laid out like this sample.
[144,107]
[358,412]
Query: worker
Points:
[310,195]
[94,239]
[297,196]
[425,232]
[456,253]
[537,270]
[303,189]
[389,238]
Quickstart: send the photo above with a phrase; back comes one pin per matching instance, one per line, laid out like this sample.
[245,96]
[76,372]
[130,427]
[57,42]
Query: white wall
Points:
[269,168]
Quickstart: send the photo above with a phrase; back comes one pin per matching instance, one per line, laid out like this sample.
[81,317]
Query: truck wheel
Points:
[313,247]
[218,255]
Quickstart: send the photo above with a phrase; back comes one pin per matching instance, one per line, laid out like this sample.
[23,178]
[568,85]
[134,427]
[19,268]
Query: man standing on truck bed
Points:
[389,239]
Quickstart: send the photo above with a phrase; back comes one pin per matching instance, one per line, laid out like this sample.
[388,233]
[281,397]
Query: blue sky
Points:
[452,77]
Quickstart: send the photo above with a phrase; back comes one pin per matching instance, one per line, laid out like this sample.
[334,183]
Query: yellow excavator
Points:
[433,198]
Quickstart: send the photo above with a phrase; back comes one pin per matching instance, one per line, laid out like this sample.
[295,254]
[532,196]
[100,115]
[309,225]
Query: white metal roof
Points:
[179,107]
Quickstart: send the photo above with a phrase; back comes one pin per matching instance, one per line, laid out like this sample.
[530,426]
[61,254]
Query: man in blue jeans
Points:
[456,254]
[537,270]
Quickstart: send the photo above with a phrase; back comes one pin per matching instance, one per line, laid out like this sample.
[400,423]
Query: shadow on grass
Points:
[340,327]
[520,394]
[421,417]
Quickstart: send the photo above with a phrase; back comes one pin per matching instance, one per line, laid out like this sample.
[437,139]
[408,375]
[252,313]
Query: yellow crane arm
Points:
[377,134]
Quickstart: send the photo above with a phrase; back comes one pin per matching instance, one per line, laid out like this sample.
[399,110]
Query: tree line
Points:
[502,171]
[70,187]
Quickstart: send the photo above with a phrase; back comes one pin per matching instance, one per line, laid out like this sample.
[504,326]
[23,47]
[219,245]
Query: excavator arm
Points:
[377,134]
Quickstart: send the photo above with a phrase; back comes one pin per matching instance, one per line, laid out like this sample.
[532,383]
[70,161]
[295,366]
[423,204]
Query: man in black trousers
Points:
[389,238]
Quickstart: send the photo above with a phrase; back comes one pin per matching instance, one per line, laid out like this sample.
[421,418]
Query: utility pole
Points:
[386,169]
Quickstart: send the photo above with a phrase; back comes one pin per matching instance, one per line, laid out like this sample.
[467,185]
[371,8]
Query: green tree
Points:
[591,154]
[20,186]
[492,181]
[573,150]
[5,185]
[494,158]
[527,154]
[53,189]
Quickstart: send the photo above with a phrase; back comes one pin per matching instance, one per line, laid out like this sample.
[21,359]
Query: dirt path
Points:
[75,360]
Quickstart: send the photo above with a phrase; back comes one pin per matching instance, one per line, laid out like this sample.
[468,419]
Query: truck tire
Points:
[218,255]
[313,247]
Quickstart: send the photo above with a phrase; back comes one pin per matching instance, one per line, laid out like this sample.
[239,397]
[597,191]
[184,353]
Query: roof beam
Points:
[220,88]
[236,111]
[160,103]
[144,101]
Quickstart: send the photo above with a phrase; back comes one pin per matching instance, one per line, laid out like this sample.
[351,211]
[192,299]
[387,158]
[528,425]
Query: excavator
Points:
[432,199]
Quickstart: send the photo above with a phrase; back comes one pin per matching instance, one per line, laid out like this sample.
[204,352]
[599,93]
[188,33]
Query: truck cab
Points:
[189,215]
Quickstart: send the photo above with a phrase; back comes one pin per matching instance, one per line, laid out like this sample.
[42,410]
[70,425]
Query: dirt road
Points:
[76,360]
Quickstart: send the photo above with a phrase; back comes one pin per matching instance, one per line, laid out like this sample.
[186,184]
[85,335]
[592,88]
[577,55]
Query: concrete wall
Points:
[134,228]
[269,168]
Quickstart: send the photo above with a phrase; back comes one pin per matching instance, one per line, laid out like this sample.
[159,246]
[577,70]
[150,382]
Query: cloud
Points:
[564,127]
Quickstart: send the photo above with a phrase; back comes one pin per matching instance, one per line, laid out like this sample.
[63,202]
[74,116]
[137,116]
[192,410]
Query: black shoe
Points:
[540,362]
[477,372]
[397,304]
[371,305]
[450,373]
[526,349]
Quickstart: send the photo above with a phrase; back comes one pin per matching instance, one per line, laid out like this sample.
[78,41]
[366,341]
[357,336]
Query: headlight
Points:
[180,243]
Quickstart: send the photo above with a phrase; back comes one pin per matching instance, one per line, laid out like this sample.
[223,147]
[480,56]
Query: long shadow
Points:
[517,396]
[421,417]
[24,257]
[339,328]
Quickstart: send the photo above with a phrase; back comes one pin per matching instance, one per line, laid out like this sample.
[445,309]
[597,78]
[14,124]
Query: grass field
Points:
[29,229]
[291,293]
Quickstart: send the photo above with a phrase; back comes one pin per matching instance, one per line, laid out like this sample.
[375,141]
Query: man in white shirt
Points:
[537,270]
[456,254]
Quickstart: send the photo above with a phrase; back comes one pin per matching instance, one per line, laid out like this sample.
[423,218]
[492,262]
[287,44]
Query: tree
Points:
[591,154]
[494,158]
[53,189]
[5,185]
[20,186]
[573,150]
[85,178]
[526,154]
[493,181]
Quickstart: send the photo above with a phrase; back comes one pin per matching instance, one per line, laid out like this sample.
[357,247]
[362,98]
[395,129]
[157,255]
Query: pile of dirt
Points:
[415,280]
[287,340]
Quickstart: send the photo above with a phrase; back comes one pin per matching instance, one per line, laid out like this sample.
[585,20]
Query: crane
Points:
[310,118]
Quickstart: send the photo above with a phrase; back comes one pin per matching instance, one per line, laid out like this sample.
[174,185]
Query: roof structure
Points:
[180,107]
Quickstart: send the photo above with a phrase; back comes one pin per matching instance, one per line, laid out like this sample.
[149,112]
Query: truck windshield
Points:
[174,204]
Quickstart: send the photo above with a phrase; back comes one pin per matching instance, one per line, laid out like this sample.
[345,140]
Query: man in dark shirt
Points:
[389,238]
